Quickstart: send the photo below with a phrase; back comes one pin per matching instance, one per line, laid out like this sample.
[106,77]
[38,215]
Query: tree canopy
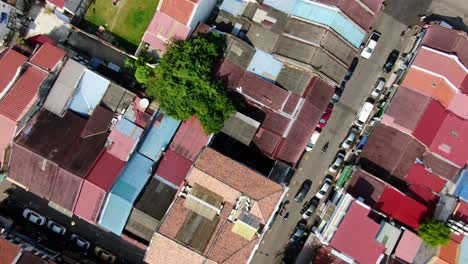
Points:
[183,82]
[434,232]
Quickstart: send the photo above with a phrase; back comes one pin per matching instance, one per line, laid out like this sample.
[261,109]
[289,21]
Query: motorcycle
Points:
[325,147]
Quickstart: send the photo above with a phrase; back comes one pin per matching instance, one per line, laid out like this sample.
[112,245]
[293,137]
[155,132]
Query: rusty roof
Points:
[366,186]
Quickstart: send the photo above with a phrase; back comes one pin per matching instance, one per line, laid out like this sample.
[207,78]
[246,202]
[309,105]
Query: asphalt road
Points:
[20,199]
[314,166]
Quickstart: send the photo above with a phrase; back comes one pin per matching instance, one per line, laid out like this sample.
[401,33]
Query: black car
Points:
[392,57]
[337,95]
[302,192]
[351,69]
[298,232]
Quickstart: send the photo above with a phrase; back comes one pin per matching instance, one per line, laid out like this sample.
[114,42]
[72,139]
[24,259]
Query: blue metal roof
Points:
[133,178]
[90,91]
[463,258]
[235,7]
[331,17]
[114,214]
[158,137]
[128,128]
[265,65]
[283,5]
[462,186]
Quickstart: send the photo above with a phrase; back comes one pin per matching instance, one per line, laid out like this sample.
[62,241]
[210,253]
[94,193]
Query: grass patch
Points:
[127,20]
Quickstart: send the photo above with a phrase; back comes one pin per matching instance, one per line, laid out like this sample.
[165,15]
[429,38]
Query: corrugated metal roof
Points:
[267,141]
[64,87]
[408,246]
[238,51]
[156,198]
[229,74]
[133,178]
[173,168]
[162,28]
[181,10]
[105,171]
[98,123]
[319,93]
[124,137]
[91,89]
[235,7]
[265,65]
[189,139]
[366,186]
[7,134]
[138,117]
[440,166]
[57,3]
[115,213]
[65,189]
[420,176]
[10,63]
[293,80]
[285,6]
[158,136]
[89,202]
[23,94]
[359,14]
[240,127]
[117,98]
[48,57]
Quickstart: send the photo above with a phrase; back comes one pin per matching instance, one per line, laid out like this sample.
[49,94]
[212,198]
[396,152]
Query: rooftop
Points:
[147,203]
[10,63]
[440,166]
[293,79]
[241,128]
[169,251]
[356,234]
[173,168]
[164,28]
[124,137]
[366,186]
[180,10]
[189,139]
[408,246]
[265,65]
[90,91]
[420,176]
[402,208]
[8,251]
[359,13]
[48,57]
[105,171]
[238,52]
[115,213]
[23,94]
[117,98]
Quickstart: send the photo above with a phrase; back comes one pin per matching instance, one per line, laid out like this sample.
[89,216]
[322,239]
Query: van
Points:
[378,88]
[364,114]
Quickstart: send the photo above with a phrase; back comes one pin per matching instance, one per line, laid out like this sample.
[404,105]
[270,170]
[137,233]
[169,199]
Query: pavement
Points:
[314,166]
[46,23]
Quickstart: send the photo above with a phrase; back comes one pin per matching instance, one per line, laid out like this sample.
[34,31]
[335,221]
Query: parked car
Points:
[314,202]
[336,165]
[392,57]
[350,138]
[351,69]
[303,190]
[298,232]
[56,228]
[313,140]
[378,88]
[327,182]
[324,119]
[80,242]
[364,113]
[337,95]
[103,255]
[34,217]
[370,45]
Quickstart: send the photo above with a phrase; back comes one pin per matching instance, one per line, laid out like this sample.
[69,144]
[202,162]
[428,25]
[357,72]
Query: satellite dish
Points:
[143,104]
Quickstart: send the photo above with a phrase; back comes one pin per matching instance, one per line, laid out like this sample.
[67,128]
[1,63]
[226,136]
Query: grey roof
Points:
[269,17]
[64,87]
[141,224]
[241,127]
[303,30]
[226,22]
[294,80]
[156,198]
[117,98]
[388,236]
[72,5]
[329,66]
[238,52]
[262,38]
[338,47]
[294,49]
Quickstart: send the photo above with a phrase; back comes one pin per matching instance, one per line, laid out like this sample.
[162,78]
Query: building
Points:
[219,215]
[175,20]
[64,9]
[189,139]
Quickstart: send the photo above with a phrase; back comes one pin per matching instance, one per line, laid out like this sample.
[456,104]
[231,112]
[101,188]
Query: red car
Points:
[324,119]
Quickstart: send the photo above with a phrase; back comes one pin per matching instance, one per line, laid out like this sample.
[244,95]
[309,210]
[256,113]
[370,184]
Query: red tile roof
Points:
[23,94]
[48,57]
[189,139]
[180,10]
[173,167]
[8,251]
[420,176]
[10,62]
[402,208]
[447,40]
[356,234]
[104,172]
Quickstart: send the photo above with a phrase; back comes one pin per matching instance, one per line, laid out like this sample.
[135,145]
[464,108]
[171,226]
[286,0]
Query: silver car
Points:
[350,138]
[56,228]
[34,217]
[336,165]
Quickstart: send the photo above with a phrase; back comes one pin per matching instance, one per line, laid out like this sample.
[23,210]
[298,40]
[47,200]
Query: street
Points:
[19,199]
[314,166]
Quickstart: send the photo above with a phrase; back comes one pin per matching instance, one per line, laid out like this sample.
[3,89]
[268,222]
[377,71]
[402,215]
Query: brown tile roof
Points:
[174,219]
[168,251]
[236,175]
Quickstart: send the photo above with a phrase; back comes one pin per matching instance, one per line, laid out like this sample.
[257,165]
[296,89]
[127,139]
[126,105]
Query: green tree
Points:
[183,82]
[434,232]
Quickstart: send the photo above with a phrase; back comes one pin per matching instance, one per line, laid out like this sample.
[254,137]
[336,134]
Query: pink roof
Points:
[180,10]
[125,141]
[164,27]
[174,167]
[10,62]
[458,105]
[57,3]
[105,171]
[447,40]
[6,134]
[356,234]
[401,207]
[23,94]
[48,57]
[189,139]
[89,202]
[419,175]
[408,246]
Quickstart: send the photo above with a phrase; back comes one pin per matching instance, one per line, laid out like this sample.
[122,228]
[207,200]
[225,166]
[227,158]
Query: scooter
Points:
[286,216]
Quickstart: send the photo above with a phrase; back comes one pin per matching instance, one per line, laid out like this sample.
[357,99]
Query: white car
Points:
[349,140]
[56,228]
[34,217]
[313,140]
[324,189]
[370,45]
[80,242]
[336,165]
